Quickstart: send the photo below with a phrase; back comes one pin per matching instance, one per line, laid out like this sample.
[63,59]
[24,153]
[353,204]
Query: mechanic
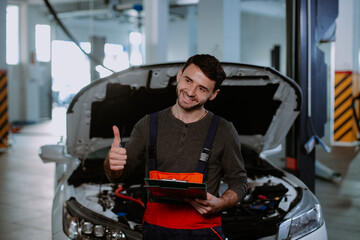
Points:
[172,141]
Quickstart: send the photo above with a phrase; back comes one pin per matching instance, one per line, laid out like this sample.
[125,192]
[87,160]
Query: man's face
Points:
[194,89]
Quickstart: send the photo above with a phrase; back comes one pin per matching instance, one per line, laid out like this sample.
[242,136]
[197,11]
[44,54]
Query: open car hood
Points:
[261,103]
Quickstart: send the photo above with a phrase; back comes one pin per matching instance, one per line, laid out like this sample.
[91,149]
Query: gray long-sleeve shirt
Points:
[179,146]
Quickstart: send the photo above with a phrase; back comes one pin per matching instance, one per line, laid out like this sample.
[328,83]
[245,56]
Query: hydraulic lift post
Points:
[308,22]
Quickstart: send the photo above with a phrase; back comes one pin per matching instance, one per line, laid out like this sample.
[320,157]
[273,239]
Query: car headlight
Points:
[305,218]
[82,223]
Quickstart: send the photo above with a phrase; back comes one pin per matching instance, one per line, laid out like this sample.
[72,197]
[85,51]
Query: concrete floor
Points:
[26,185]
[341,200]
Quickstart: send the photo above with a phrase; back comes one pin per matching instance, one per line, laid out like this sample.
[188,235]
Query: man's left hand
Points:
[210,205]
[213,204]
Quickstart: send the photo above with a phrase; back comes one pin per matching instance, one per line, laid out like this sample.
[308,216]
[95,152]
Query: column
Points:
[156,30]
[3,5]
[97,50]
[219,29]
[346,86]
[4,123]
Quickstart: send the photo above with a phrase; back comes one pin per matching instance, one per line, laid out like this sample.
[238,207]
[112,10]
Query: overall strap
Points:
[205,153]
[152,140]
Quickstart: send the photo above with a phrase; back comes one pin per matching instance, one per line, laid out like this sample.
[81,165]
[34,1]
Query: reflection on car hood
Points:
[261,103]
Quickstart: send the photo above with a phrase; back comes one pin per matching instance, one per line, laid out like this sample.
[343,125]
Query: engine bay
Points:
[266,203]
[270,196]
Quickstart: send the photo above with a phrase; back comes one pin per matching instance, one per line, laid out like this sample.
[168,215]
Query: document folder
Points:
[176,190]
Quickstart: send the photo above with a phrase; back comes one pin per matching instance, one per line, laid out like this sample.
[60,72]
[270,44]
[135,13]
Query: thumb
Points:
[117,139]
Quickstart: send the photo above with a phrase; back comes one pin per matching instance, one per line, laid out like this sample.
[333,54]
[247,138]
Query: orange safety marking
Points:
[4,124]
[344,124]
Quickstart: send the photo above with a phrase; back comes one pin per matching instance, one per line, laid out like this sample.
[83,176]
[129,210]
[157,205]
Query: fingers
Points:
[117,155]
[117,158]
[202,209]
[116,165]
[117,139]
[205,206]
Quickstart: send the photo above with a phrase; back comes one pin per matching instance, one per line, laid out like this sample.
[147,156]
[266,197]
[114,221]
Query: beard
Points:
[188,107]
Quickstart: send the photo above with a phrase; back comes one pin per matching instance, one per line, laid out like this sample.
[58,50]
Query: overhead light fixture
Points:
[186,2]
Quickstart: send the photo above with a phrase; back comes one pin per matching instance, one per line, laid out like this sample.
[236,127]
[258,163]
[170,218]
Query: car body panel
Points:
[266,105]
[260,102]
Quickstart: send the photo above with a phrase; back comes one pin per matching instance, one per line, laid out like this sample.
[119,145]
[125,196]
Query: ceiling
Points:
[100,9]
[131,10]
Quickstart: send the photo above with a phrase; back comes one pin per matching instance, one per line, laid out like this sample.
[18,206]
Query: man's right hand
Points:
[117,154]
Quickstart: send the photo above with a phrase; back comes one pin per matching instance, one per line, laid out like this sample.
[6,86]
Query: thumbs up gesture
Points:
[117,154]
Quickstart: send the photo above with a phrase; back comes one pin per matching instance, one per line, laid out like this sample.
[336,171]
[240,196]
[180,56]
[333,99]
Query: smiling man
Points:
[189,143]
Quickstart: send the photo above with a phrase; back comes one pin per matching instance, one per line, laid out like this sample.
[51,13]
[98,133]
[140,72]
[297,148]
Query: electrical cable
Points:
[355,113]
[90,56]
[118,194]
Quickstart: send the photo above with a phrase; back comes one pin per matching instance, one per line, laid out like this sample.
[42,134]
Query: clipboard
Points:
[175,189]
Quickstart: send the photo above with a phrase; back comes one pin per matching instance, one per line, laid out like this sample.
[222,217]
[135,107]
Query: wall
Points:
[114,32]
[179,39]
[344,36]
[3,5]
[30,96]
[181,33]
[31,83]
[259,34]
[346,80]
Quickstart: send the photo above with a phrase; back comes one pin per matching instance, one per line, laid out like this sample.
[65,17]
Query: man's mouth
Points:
[187,98]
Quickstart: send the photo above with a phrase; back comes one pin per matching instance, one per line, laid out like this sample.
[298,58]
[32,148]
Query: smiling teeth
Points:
[187,97]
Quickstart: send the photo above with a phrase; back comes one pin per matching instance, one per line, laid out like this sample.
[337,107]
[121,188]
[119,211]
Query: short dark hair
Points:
[210,66]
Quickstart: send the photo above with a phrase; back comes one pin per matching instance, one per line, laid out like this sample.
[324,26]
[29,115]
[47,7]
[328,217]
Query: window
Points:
[12,35]
[70,69]
[116,58]
[42,42]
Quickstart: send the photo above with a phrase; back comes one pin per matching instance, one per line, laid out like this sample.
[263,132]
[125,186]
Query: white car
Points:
[261,103]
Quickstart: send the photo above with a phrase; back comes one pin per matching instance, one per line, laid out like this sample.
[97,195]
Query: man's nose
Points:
[191,90]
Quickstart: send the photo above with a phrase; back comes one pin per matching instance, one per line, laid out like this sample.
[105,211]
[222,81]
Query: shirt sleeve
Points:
[233,163]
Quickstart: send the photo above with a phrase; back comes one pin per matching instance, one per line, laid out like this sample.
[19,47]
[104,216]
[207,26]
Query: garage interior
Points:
[36,110]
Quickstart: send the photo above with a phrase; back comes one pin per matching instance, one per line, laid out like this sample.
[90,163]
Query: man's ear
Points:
[214,94]
[178,75]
